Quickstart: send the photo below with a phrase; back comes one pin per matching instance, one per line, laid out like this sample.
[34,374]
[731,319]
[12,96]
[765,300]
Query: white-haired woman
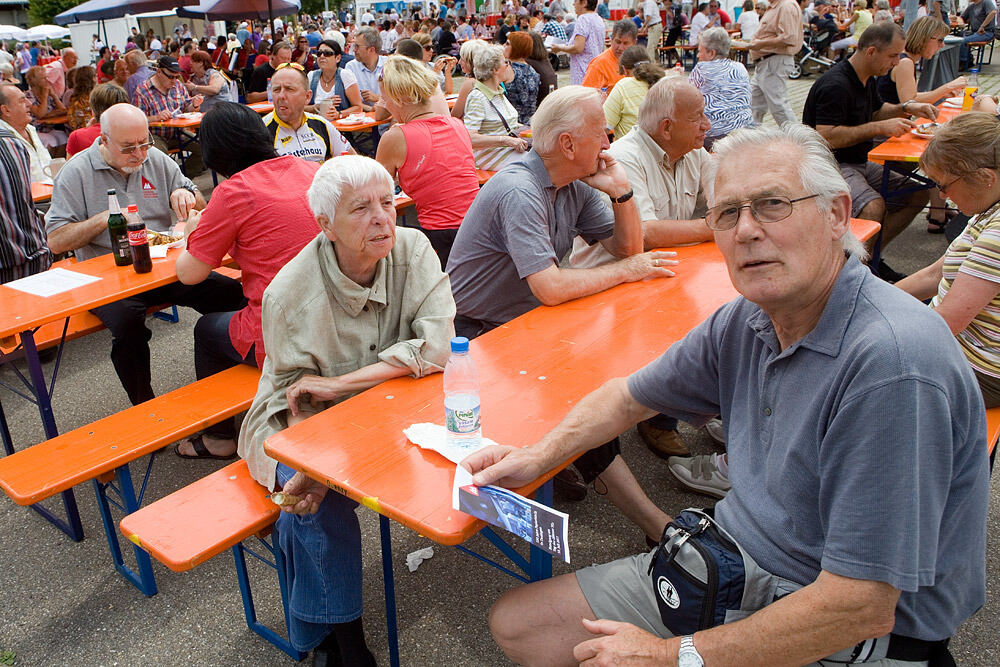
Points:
[466,55]
[361,304]
[724,83]
[489,117]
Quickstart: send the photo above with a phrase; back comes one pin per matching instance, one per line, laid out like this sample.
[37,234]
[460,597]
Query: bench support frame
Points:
[276,561]
[121,486]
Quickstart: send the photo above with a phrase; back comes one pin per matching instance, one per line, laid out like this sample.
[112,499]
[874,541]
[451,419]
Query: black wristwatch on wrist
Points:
[621,200]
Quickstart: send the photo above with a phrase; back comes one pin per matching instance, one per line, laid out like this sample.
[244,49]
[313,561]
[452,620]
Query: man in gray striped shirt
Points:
[23,250]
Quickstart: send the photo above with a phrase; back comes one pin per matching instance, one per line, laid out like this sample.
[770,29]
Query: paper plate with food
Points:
[927,130]
[953,102]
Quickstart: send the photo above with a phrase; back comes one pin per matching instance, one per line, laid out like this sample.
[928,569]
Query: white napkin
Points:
[435,436]
[158,251]
[413,560]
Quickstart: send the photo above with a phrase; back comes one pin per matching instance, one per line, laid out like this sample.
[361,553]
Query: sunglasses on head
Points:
[292,65]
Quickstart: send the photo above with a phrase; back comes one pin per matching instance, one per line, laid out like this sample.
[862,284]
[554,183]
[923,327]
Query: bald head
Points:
[123,118]
[69,58]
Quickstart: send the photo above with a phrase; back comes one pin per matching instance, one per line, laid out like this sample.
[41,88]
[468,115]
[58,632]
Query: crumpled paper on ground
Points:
[413,560]
[435,436]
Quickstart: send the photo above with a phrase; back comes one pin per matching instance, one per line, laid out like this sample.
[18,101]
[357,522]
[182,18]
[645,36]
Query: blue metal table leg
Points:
[390,591]
[142,578]
[8,443]
[71,526]
[539,561]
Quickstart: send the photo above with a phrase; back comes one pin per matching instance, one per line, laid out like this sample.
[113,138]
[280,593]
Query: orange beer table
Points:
[531,371]
[21,314]
[41,192]
[909,147]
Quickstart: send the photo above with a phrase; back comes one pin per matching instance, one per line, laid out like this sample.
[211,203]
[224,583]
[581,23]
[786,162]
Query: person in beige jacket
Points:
[773,50]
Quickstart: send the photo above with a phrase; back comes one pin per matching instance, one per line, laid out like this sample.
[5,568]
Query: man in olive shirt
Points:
[773,48]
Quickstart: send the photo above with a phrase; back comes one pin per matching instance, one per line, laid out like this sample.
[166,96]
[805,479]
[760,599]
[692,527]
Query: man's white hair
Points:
[817,168]
[559,113]
[353,171]
[660,102]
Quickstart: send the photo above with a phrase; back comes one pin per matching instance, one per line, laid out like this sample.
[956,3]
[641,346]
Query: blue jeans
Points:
[965,57]
[322,565]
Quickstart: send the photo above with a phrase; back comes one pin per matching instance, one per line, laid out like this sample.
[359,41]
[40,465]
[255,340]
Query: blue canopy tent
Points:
[99,10]
[234,10]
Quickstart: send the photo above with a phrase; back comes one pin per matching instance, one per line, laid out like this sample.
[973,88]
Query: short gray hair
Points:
[660,102]
[7,69]
[353,171]
[716,39]
[762,4]
[486,61]
[625,28]
[558,114]
[818,169]
[372,38]
[469,50]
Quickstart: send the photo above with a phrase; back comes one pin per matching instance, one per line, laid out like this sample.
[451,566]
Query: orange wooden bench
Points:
[992,430]
[101,452]
[203,519]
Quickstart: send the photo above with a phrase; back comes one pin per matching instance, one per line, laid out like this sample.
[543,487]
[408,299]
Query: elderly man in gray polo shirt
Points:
[859,474]
[667,167]
[122,158]
[505,260]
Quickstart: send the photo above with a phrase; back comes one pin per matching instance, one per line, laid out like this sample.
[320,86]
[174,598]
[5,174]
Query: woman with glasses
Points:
[964,284]
[332,83]
[923,40]
[302,54]
[207,81]
[489,117]
[442,67]
[428,150]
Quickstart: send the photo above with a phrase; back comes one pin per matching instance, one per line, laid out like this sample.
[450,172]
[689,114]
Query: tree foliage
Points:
[43,11]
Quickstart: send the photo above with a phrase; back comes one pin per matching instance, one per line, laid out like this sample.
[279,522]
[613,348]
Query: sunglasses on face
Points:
[170,75]
[325,53]
[131,149]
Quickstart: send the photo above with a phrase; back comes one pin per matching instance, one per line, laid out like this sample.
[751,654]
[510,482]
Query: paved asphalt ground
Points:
[61,603]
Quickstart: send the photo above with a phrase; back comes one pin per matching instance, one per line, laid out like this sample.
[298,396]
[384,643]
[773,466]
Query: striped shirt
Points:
[977,253]
[481,117]
[23,248]
[725,85]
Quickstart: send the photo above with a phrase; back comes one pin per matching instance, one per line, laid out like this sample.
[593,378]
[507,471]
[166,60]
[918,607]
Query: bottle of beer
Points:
[117,231]
[138,241]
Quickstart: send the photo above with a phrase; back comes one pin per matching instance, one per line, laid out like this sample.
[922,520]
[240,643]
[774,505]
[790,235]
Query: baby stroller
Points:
[811,56]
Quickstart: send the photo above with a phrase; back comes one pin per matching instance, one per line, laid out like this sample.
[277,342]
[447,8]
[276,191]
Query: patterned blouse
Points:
[977,253]
[725,85]
[79,113]
[591,27]
[523,91]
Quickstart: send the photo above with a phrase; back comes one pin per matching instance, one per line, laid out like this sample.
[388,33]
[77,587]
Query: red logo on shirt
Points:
[148,189]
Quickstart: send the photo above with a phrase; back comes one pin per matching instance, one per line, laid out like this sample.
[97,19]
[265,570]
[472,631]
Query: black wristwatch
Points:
[621,200]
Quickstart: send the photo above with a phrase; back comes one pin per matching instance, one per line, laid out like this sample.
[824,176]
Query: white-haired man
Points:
[667,167]
[123,159]
[834,533]
[505,260]
[55,71]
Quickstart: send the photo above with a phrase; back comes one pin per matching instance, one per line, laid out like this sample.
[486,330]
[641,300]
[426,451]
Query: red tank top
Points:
[439,173]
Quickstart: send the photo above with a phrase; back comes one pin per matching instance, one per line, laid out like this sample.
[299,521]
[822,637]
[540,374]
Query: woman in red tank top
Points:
[428,151]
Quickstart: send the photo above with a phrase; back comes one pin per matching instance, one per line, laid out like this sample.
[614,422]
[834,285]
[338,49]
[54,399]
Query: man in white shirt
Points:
[15,117]
[654,29]
[389,38]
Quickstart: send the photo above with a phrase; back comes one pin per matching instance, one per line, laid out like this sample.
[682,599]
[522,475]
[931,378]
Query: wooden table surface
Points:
[909,147]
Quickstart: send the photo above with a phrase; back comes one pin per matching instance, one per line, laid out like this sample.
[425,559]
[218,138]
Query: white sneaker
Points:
[700,473]
[716,430]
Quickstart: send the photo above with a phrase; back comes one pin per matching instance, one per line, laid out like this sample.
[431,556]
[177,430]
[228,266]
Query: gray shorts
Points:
[865,182]
[621,591]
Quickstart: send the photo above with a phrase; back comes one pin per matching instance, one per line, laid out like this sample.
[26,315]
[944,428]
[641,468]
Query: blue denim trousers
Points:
[322,565]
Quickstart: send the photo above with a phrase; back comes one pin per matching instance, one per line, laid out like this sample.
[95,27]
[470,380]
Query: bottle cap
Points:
[112,191]
[459,344]
[132,208]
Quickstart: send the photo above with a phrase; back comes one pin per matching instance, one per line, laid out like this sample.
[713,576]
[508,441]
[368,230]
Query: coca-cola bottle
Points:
[138,241]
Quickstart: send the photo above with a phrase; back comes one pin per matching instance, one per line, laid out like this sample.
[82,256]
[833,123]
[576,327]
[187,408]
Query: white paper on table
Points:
[158,251]
[52,282]
[435,436]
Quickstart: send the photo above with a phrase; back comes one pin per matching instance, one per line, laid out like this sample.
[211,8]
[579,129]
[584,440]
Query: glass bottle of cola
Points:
[138,241]
[117,230]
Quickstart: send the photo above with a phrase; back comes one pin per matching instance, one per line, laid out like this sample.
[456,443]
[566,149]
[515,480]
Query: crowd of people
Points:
[335,299]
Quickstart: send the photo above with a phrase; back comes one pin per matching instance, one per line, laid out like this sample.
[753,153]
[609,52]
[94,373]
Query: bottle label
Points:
[462,421]
[137,237]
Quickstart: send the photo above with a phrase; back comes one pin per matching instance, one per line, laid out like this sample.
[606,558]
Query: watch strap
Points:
[624,198]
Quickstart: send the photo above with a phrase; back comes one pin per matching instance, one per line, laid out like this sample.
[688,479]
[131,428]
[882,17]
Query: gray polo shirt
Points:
[80,191]
[860,449]
[519,224]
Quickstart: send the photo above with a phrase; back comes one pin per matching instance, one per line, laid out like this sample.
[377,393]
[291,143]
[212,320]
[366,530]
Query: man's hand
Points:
[504,465]
[369,96]
[182,201]
[620,644]
[311,492]
[895,127]
[650,264]
[162,116]
[610,177]
[318,389]
[922,110]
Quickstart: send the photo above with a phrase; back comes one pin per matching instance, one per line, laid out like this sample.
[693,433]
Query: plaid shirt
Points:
[554,29]
[149,98]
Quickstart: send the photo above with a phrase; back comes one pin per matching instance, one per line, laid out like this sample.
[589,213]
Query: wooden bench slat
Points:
[191,525]
[82,454]
[992,428]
